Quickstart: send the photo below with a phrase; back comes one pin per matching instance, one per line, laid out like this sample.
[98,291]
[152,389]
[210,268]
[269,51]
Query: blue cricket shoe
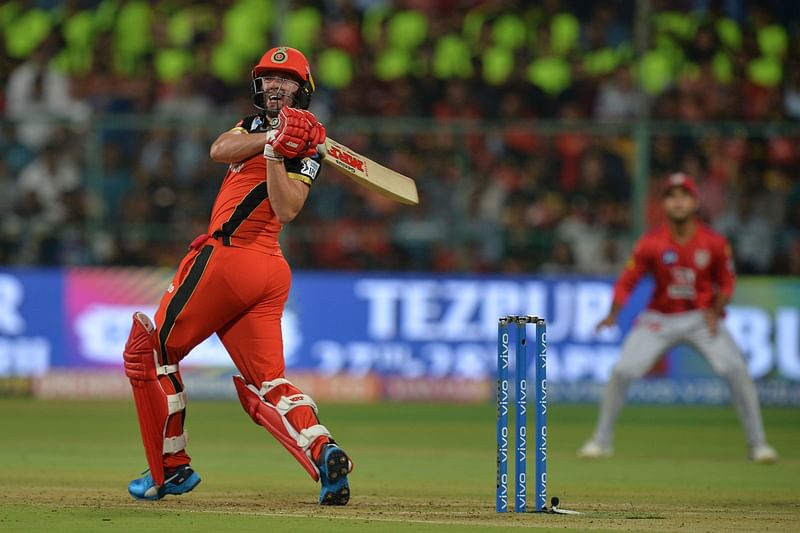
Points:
[179,481]
[334,465]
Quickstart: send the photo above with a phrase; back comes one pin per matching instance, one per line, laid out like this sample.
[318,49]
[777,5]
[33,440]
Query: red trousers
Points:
[240,295]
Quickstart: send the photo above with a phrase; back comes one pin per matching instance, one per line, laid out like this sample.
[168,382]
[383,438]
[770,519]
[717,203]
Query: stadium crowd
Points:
[110,107]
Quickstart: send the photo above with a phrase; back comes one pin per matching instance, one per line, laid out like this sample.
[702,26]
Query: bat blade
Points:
[370,174]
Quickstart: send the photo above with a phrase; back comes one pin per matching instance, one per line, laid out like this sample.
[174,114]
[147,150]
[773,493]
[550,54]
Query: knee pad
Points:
[154,404]
[273,418]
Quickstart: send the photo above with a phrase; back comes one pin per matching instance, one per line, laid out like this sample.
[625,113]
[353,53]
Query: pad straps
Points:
[175,404]
[305,437]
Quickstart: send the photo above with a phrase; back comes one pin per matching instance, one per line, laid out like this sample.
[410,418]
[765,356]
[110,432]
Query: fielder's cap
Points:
[679,179]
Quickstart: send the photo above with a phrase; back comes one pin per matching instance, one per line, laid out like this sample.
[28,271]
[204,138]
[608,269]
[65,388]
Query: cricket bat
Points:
[370,174]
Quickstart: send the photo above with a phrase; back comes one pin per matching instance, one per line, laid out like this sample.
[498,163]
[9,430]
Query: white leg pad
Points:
[286,403]
[176,402]
[273,420]
[309,435]
[305,437]
[166,369]
[269,385]
[176,444]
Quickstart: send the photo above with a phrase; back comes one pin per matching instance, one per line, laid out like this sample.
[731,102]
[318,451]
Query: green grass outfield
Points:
[64,466]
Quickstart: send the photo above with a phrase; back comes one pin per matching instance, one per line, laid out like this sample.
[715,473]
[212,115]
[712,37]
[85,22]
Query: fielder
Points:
[694,280]
[234,282]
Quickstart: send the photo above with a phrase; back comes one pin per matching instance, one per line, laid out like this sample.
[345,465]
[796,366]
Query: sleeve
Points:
[251,124]
[305,169]
[636,267]
[724,270]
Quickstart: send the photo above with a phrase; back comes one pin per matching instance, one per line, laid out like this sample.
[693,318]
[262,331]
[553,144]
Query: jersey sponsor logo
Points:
[702,258]
[310,168]
[347,159]
[682,285]
[236,167]
[669,257]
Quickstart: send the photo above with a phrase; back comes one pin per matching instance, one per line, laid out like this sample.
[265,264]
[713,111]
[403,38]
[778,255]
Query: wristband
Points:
[271,154]
[269,151]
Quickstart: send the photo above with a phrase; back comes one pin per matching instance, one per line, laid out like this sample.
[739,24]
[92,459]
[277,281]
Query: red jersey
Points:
[687,276]
[242,215]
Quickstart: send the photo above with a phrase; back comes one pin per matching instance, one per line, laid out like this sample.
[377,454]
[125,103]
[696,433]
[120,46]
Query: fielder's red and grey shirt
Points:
[688,275]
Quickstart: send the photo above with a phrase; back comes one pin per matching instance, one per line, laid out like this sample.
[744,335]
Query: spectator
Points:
[750,233]
[789,239]
[38,95]
[183,103]
[44,182]
[587,239]
[618,98]
[562,260]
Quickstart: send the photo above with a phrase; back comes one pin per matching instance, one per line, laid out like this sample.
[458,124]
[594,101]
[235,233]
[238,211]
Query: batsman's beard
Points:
[275,103]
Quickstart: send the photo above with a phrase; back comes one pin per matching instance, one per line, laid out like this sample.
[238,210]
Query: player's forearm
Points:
[286,195]
[719,304]
[622,291]
[633,272]
[614,311]
[726,285]
[231,147]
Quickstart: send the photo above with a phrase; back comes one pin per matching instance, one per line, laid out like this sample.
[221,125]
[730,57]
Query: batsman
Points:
[234,282]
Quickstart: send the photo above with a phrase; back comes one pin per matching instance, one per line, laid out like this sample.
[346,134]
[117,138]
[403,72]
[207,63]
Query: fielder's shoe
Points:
[334,465]
[595,450]
[179,481]
[763,454]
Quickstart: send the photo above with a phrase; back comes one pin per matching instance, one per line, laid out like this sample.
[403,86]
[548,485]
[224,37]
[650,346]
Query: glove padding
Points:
[316,136]
[298,134]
